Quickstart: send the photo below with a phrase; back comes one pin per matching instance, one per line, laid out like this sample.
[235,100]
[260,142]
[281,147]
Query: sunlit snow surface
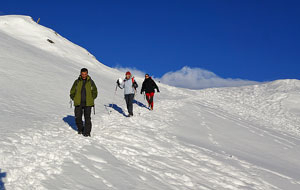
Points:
[225,138]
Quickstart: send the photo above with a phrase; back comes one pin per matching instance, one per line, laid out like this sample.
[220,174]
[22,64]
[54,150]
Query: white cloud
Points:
[197,78]
[192,78]
[134,71]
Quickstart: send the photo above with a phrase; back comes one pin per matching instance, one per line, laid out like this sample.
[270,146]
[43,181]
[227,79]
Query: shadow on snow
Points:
[121,111]
[140,104]
[70,120]
[118,109]
[2,175]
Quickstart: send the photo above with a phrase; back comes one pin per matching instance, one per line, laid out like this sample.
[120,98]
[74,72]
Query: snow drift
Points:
[226,138]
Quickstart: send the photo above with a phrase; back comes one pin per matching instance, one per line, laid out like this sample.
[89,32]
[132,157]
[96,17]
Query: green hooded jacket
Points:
[91,91]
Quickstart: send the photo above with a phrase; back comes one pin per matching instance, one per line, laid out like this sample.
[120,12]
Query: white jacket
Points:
[127,84]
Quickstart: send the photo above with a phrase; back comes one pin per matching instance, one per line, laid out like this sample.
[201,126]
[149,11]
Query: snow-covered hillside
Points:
[226,138]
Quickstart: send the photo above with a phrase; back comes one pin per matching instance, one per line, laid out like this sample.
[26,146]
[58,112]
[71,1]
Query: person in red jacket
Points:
[149,87]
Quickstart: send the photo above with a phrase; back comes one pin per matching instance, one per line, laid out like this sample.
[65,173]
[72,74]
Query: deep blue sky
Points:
[255,39]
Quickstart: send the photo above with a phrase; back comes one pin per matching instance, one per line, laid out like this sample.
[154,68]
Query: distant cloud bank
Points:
[197,78]
[192,78]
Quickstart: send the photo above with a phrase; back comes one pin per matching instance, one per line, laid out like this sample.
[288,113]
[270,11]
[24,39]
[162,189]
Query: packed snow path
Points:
[227,138]
[143,153]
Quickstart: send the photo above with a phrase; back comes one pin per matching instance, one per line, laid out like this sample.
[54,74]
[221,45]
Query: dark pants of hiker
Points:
[129,102]
[86,111]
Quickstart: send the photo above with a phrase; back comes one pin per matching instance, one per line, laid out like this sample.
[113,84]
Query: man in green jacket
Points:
[83,93]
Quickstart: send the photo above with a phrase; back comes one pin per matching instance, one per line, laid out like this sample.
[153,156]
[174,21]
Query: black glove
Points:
[158,90]
[118,82]
[141,92]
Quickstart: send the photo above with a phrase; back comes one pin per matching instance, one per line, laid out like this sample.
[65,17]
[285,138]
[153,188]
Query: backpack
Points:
[134,84]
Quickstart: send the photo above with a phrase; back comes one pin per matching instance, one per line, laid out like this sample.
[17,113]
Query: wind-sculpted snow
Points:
[225,138]
[275,104]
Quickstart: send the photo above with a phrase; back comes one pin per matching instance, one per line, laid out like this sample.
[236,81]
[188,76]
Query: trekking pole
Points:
[94,107]
[116,89]
[113,100]
[114,95]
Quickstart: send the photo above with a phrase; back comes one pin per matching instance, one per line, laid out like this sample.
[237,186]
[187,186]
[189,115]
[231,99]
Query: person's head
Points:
[147,76]
[128,75]
[84,73]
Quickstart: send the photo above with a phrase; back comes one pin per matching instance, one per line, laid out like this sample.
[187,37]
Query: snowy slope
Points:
[225,138]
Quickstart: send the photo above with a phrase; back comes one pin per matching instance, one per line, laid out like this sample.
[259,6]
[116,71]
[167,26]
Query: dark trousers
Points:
[129,102]
[79,111]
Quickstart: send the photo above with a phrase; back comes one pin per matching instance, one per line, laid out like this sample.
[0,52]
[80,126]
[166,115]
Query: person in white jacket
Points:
[129,85]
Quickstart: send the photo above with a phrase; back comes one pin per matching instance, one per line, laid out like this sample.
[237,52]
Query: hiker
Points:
[149,87]
[129,85]
[83,93]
